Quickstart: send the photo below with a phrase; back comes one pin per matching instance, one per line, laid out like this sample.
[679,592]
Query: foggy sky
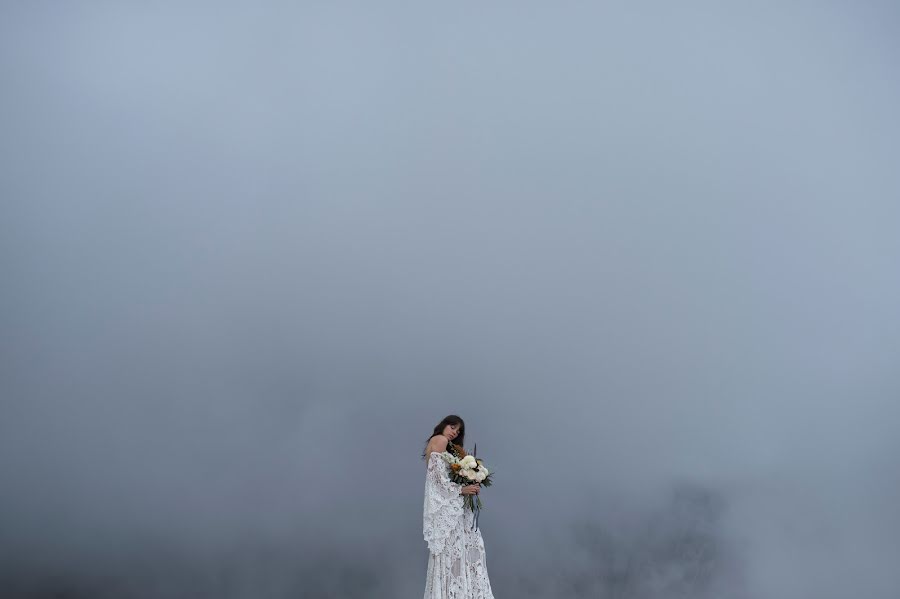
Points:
[251,255]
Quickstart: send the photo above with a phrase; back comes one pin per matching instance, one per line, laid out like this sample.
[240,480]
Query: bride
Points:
[457,567]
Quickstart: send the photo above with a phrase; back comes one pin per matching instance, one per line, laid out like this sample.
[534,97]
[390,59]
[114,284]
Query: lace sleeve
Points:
[443,504]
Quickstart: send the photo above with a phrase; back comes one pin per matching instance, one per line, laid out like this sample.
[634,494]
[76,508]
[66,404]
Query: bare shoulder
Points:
[438,443]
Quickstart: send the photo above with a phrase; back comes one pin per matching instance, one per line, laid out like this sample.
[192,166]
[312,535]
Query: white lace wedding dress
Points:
[457,567]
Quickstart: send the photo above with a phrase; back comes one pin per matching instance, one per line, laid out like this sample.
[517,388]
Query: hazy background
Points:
[251,255]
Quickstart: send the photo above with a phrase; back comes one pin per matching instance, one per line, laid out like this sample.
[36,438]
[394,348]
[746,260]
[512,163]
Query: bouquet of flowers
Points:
[466,469]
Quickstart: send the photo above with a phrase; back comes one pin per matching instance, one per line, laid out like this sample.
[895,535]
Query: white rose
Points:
[469,462]
[468,473]
[485,470]
[480,476]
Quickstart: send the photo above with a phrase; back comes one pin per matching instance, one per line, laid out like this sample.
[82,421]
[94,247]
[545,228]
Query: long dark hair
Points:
[452,419]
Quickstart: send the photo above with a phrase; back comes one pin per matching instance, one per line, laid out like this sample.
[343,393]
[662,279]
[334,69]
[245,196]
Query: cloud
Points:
[252,256]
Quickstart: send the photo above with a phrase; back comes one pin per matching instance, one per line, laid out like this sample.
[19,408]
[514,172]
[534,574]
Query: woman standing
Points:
[457,567]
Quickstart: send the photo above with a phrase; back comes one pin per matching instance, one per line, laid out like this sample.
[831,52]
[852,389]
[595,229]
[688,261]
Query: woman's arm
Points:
[439,444]
[443,504]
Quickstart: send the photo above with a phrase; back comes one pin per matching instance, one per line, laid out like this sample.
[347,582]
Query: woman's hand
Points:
[472,489]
